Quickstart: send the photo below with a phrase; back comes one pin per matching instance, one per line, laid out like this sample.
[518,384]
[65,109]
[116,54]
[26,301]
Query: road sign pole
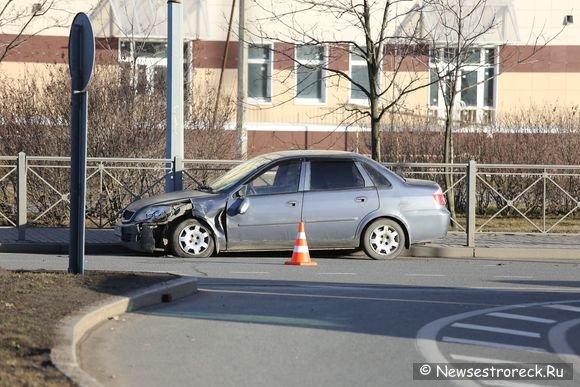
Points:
[79,110]
[81,55]
[175,135]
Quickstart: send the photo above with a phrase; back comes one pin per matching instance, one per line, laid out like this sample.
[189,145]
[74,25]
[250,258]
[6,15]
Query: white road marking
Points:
[491,344]
[475,359]
[569,308]
[522,288]
[506,331]
[337,273]
[522,317]
[514,276]
[558,338]
[429,343]
[425,275]
[249,272]
[323,296]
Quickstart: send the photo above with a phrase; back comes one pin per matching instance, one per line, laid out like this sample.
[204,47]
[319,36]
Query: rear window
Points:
[378,178]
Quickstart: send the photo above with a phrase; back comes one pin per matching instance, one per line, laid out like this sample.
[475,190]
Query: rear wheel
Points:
[384,239]
[192,239]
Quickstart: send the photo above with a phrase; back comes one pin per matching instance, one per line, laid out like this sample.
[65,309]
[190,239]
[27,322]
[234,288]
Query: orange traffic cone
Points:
[301,255]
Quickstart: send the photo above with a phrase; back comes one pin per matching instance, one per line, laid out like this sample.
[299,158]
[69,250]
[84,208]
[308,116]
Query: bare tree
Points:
[368,30]
[19,20]
[456,29]
[456,41]
[464,36]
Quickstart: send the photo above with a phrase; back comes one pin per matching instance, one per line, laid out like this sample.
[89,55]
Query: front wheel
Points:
[384,239]
[192,239]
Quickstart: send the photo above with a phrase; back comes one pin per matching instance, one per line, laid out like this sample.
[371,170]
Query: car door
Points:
[338,195]
[272,217]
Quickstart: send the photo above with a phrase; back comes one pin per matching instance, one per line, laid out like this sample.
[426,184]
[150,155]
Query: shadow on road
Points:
[374,309]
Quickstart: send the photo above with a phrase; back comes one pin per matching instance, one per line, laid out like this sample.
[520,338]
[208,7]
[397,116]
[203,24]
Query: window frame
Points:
[300,100]
[481,111]
[145,66]
[269,76]
[358,63]
[150,63]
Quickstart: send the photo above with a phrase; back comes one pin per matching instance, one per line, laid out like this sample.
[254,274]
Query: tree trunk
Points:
[375,132]
[448,155]
[376,139]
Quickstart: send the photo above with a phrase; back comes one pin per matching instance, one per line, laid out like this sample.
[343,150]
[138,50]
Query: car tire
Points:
[384,239]
[192,239]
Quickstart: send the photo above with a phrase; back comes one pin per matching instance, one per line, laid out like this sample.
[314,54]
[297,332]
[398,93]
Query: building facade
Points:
[307,73]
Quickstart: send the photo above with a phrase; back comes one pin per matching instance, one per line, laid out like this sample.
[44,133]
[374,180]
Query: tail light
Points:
[439,197]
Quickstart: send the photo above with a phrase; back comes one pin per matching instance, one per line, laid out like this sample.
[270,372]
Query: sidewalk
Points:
[503,245]
[44,240]
[487,245]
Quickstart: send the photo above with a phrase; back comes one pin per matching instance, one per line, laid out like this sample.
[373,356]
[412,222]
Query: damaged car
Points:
[346,200]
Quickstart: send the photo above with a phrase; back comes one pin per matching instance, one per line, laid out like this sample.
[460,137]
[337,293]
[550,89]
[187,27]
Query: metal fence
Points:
[507,198]
[34,191]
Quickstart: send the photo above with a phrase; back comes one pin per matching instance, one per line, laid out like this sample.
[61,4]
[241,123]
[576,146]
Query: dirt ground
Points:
[31,306]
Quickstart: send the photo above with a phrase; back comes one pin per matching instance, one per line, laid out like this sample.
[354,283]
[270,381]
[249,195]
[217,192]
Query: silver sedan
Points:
[346,201]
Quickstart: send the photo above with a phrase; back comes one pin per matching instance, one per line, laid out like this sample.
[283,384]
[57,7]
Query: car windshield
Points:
[236,174]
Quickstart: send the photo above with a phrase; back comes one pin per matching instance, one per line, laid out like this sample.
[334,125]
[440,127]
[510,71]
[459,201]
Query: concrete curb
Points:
[61,248]
[74,328]
[420,251]
[492,252]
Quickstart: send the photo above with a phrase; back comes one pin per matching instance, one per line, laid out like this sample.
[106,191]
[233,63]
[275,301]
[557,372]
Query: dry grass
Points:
[32,304]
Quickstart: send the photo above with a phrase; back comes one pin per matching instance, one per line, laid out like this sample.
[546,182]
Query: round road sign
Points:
[81,51]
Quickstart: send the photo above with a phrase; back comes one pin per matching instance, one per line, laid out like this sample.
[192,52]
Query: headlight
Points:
[153,214]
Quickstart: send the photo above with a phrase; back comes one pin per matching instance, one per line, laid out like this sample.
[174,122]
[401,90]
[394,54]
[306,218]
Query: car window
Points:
[328,175]
[281,178]
[378,178]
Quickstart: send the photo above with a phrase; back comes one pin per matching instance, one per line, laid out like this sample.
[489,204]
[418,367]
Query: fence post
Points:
[21,194]
[471,201]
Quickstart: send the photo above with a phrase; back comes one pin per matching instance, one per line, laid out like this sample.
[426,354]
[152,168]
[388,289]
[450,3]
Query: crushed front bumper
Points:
[145,238]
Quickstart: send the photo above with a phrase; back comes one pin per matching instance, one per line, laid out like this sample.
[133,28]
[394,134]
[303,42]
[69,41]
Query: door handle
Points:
[361,199]
[291,204]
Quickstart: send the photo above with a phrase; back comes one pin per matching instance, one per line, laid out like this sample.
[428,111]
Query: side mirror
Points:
[244,206]
[242,192]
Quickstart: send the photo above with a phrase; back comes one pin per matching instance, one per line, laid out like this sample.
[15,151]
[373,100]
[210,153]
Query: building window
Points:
[260,72]
[359,74]
[133,50]
[310,84]
[149,59]
[476,86]
[433,88]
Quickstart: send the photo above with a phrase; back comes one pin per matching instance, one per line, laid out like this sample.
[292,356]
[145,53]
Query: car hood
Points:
[170,197]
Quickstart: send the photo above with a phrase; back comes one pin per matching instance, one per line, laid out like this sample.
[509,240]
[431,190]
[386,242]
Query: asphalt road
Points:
[348,321]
